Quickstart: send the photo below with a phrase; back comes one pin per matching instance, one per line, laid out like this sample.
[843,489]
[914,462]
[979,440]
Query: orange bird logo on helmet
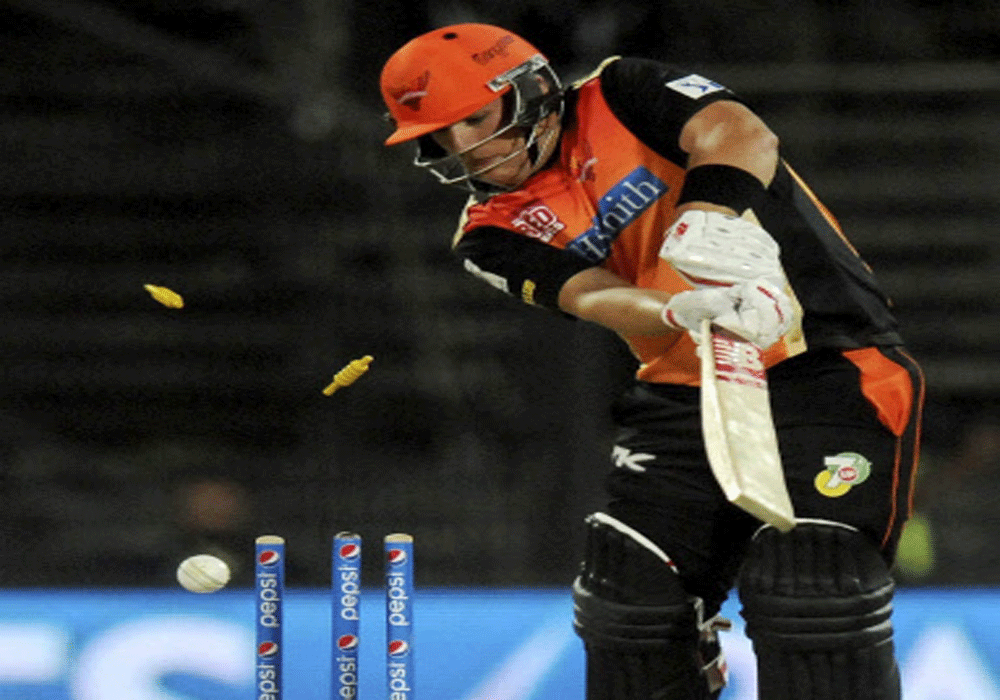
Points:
[410,95]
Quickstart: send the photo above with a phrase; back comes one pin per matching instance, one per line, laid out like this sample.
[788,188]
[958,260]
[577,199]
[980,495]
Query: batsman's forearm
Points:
[627,311]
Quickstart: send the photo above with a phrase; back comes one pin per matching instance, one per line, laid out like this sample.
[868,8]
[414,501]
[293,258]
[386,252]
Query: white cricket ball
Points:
[203,573]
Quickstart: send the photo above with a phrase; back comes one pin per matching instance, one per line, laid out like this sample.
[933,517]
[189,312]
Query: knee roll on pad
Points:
[817,603]
[641,630]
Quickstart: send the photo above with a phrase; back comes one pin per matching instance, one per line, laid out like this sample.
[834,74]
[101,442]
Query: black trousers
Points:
[848,429]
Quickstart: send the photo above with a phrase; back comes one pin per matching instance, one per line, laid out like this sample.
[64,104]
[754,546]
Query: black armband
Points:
[722,184]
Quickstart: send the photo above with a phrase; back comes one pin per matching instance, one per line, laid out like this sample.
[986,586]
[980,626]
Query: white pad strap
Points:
[632,534]
[814,521]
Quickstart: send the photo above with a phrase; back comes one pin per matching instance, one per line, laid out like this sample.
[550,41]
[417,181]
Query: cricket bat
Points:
[738,429]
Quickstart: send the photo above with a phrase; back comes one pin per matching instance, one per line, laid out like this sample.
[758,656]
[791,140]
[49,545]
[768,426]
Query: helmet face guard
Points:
[526,103]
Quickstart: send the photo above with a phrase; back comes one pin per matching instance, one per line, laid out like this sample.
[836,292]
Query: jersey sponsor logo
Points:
[490,278]
[625,458]
[843,472]
[623,204]
[694,86]
[538,221]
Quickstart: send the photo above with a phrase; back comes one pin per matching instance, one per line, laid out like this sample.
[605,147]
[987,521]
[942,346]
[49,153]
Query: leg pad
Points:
[640,629]
[818,604]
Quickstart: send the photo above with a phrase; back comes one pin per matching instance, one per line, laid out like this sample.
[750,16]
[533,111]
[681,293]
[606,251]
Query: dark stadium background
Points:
[231,150]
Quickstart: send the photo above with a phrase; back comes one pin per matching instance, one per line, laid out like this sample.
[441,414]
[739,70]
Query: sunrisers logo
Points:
[623,204]
[411,95]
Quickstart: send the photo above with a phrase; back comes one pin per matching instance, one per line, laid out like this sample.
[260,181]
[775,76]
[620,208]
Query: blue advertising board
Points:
[468,644]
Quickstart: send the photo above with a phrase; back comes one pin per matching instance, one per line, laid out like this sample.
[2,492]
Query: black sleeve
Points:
[522,267]
[654,101]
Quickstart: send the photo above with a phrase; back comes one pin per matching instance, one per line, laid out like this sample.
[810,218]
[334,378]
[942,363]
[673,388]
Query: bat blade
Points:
[739,431]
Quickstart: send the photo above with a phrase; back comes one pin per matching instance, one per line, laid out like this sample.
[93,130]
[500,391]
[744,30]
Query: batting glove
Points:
[756,311]
[712,248]
[685,310]
[761,313]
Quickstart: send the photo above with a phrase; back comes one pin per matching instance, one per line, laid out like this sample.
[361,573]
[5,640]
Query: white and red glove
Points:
[756,311]
[685,310]
[711,248]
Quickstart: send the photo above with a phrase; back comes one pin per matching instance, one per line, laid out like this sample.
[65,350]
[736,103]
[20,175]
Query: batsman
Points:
[646,198]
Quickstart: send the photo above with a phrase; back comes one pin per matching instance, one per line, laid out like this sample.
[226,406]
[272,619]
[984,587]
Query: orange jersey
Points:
[610,192]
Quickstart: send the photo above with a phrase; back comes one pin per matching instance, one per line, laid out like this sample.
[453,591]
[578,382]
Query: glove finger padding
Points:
[685,310]
[760,312]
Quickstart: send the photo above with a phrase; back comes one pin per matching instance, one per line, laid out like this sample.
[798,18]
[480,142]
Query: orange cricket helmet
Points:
[447,74]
